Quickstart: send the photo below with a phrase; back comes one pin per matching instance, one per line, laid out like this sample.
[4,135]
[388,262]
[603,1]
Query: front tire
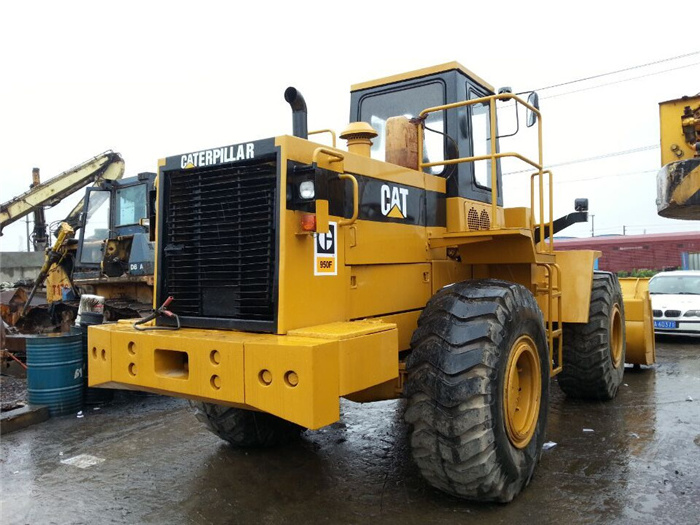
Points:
[478,386]
[246,428]
[594,353]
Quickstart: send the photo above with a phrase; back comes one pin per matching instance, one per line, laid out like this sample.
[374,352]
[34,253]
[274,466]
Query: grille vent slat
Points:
[220,226]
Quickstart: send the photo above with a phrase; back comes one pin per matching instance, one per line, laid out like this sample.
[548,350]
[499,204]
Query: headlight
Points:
[692,313]
[307,190]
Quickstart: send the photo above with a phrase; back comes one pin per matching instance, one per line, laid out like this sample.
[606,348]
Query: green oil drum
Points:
[55,372]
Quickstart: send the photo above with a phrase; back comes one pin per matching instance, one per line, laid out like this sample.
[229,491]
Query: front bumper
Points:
[298,377]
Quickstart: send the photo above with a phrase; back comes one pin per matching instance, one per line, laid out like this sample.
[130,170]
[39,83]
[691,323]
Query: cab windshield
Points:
[131,205]
[408,102]
[96,228]
[675,284]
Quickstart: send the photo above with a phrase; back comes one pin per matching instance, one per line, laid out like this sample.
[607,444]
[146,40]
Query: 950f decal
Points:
[326,251]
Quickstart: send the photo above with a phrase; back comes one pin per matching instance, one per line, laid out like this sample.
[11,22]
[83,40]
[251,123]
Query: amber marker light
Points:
[308,223]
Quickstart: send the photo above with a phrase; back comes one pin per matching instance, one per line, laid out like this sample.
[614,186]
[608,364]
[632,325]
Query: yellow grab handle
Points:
[336,156]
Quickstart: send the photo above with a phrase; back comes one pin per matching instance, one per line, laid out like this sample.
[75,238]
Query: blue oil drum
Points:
[55,372]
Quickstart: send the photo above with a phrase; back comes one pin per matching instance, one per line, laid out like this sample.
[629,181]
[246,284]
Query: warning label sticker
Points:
[326,251]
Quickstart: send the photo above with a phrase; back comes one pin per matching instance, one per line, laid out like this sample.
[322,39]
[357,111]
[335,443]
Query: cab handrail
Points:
[538,164]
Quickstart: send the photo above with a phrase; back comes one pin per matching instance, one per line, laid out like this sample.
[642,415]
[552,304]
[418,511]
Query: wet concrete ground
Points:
[641,464]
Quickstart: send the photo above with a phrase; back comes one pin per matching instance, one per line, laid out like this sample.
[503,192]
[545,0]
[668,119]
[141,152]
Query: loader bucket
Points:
[639,326]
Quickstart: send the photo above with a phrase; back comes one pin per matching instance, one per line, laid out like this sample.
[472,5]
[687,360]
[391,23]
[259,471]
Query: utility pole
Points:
[592,225]
[26,223]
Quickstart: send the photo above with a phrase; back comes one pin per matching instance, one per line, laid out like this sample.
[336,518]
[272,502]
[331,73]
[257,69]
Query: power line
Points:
[685,227]
[619,81]
[589,159]
[586,179]
[618,71]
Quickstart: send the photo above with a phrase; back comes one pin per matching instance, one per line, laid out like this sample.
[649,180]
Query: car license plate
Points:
[665,324]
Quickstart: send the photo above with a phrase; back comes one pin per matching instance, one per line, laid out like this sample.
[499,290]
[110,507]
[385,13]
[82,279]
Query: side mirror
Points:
[581,204]
[534,100]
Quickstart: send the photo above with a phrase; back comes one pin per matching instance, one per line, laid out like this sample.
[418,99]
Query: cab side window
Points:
[480,139]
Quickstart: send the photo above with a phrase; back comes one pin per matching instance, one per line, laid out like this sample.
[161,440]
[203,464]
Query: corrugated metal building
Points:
[636,252]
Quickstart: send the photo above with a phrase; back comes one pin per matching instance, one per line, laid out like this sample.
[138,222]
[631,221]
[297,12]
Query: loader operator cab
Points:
[116,212]
[459,132]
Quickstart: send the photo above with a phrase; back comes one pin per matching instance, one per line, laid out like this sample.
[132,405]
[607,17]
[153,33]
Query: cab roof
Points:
[449,66]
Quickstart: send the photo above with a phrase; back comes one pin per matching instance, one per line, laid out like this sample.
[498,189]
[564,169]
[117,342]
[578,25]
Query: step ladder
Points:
[554,335]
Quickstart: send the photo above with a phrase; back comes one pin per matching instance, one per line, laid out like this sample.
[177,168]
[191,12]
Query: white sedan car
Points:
[675,300]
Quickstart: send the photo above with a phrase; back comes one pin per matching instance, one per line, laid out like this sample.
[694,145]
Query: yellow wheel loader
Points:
[291,273]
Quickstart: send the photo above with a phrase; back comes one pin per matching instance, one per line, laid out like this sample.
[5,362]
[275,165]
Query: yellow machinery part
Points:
[678,190]
[641,349]
[678,181]
[56,282]
[521,392]
[298,377]
[678,124]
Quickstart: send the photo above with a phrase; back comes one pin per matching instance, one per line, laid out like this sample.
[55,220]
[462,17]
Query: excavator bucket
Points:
[641,349]
[678,190]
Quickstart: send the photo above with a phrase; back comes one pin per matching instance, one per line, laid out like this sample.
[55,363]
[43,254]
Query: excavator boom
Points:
[106,166]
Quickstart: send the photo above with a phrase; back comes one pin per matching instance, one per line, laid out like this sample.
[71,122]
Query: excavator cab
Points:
[115,235]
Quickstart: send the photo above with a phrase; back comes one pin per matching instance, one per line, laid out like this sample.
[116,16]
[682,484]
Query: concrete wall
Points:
[20,265]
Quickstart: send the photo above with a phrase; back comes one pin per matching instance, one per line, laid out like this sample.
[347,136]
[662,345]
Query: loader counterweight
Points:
[299,377]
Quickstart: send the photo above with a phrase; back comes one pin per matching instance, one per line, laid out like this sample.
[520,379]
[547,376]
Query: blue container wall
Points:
[55,372]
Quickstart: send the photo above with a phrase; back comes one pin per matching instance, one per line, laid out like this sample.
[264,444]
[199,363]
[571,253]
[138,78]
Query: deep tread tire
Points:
[246,428]
[589,371]
[456,377]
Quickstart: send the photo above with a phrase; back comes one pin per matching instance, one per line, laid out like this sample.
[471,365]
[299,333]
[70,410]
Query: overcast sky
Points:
[154,79]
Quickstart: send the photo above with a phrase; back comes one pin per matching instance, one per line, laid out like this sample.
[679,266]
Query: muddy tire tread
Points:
[246,428]
[451,391]
[588,372]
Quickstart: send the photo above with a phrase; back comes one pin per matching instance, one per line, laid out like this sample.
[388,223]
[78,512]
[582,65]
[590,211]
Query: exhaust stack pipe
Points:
[296,100]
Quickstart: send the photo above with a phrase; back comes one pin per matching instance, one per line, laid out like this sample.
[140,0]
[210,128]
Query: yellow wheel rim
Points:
[522,390]
[616,336]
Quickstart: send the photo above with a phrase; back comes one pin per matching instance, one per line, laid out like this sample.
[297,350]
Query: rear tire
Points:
[478,386]
[594,353]
[246,428]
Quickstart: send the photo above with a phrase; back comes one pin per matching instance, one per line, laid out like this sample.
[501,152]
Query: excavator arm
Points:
[106,166]
[53,256]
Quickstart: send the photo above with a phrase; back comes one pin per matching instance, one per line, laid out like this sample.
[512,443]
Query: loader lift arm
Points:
[106,166]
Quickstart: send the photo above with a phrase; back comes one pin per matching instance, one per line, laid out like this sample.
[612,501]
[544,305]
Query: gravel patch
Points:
[13,392]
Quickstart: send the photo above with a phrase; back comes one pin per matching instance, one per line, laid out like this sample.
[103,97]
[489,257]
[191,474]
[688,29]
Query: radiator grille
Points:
[220,241]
